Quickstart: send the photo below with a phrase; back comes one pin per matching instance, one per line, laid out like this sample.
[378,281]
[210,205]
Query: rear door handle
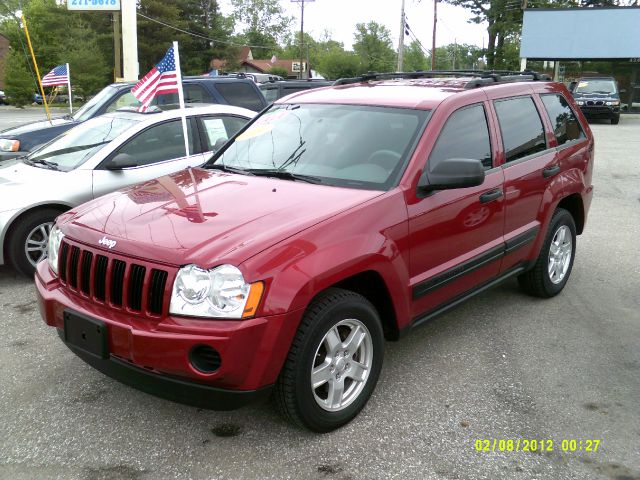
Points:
[551,171]
[491,195]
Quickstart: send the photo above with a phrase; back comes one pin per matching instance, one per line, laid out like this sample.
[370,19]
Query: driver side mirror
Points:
[452,173]
[120,161]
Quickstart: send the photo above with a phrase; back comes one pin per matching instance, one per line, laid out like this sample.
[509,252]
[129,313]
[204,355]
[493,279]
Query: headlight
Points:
[613,103]
[53,249]
[580,102]
[219,293]
[7,145]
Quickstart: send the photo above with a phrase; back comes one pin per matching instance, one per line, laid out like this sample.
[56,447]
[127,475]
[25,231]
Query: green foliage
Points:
[339,64]
[374,47]
[415,59]
[265,24]
[19,84]
[279,71]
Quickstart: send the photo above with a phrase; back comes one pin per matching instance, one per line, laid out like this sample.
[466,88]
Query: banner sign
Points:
[93,5]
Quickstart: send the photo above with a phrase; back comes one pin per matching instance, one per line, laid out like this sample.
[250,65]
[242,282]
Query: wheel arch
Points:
[573,204]
[5,235]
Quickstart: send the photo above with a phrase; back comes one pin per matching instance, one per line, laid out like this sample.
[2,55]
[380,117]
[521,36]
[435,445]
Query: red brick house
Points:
[249,65]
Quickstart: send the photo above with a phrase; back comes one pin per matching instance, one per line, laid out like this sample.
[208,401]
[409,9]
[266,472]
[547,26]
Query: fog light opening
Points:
[204,358]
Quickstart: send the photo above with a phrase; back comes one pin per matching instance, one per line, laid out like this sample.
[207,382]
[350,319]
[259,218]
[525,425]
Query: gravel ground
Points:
[503,366]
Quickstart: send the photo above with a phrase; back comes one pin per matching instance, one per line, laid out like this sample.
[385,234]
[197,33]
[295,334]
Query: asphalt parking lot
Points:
[502,366]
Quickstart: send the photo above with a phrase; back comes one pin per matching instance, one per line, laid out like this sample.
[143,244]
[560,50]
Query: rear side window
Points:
[465,135]
[271,94]
[521,127]
[565,124]
[193,93]
[240,95]
[219,129]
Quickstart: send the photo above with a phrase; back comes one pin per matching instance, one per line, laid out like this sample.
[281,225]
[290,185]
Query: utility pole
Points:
[301,38]
[433,43]
[401,39]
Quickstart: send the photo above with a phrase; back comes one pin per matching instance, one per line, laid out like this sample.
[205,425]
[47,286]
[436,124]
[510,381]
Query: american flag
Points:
[57,76]
[163,78]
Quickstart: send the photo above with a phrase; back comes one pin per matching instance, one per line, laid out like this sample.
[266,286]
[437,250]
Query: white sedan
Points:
[99,156]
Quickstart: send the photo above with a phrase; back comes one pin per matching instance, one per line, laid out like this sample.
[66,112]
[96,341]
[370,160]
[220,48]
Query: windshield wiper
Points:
[49,165]
[285,175]
[226,168]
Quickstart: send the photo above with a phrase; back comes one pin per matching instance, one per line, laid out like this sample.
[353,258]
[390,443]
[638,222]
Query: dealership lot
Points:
[502,366]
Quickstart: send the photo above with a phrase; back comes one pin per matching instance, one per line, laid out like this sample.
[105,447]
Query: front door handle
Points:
[551,171]
[491,195]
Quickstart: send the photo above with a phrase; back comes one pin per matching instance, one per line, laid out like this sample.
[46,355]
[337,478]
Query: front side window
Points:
[126,100]
[270,93]
[465,135]
[565,124]
[158,143]
[341,145]
[521,127]
[75,146]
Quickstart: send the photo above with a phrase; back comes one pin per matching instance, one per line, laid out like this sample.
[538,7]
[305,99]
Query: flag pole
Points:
[176,56]
[69,90]
[35,64]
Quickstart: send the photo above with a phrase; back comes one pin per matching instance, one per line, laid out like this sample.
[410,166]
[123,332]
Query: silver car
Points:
[101,155]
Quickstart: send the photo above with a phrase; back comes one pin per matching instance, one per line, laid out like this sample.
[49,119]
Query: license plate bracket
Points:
[86,333]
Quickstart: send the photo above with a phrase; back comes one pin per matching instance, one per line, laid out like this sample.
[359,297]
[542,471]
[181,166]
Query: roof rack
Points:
[481,78]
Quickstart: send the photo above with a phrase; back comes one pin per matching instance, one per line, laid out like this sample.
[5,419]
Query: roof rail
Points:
[481,78]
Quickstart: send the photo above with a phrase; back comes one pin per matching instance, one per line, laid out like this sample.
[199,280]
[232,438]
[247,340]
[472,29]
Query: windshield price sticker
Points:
[93,5]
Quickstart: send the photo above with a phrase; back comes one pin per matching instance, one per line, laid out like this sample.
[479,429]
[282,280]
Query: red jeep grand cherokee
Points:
[339,218]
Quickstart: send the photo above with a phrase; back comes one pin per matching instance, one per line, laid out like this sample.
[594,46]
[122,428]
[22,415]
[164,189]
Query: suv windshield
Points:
[88,109]
[341,145]
[596,86]
[73,147]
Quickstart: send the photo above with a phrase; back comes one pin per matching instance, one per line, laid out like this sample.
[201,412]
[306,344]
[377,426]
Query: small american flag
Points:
[57,76]
[163,78]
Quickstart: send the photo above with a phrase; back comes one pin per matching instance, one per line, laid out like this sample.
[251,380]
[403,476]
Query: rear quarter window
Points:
[565,123]
[241,95]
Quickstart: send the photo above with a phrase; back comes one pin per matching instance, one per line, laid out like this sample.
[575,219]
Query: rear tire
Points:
[28,242]
[555,261]
[334,362]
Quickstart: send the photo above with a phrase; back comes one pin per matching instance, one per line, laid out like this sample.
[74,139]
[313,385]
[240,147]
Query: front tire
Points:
[555,261]
[334,362]
[615,119]
[28,242]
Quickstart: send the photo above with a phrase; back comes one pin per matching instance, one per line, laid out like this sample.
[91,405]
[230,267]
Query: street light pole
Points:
[433,43]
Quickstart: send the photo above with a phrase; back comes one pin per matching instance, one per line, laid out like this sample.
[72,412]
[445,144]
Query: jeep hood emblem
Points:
[107,242]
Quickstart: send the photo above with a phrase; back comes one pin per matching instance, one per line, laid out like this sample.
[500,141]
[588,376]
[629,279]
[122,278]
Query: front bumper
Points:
[153,356]
[600,111]
[11,155]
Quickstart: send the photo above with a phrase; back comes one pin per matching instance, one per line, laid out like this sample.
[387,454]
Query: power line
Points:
[204,37]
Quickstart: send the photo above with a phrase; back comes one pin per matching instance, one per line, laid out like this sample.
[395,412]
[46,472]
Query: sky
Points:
[339,18]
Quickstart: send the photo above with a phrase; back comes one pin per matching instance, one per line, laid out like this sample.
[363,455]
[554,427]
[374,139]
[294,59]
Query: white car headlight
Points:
[580,102]
[217,293]
[612,103]
[7,145]
[53,248]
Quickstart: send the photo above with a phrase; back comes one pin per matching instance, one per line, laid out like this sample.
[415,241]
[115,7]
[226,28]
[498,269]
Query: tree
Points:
[374,47]
[265,24]
[414,58]
[339,64]
[19,84]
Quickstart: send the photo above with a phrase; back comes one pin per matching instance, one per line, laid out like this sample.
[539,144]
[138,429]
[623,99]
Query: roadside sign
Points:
[93,5]
[295,66]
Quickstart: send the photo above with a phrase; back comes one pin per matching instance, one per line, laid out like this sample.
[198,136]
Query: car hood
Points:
[596,95]
[33,126]
[24,185]
[16,172]
[206,217]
